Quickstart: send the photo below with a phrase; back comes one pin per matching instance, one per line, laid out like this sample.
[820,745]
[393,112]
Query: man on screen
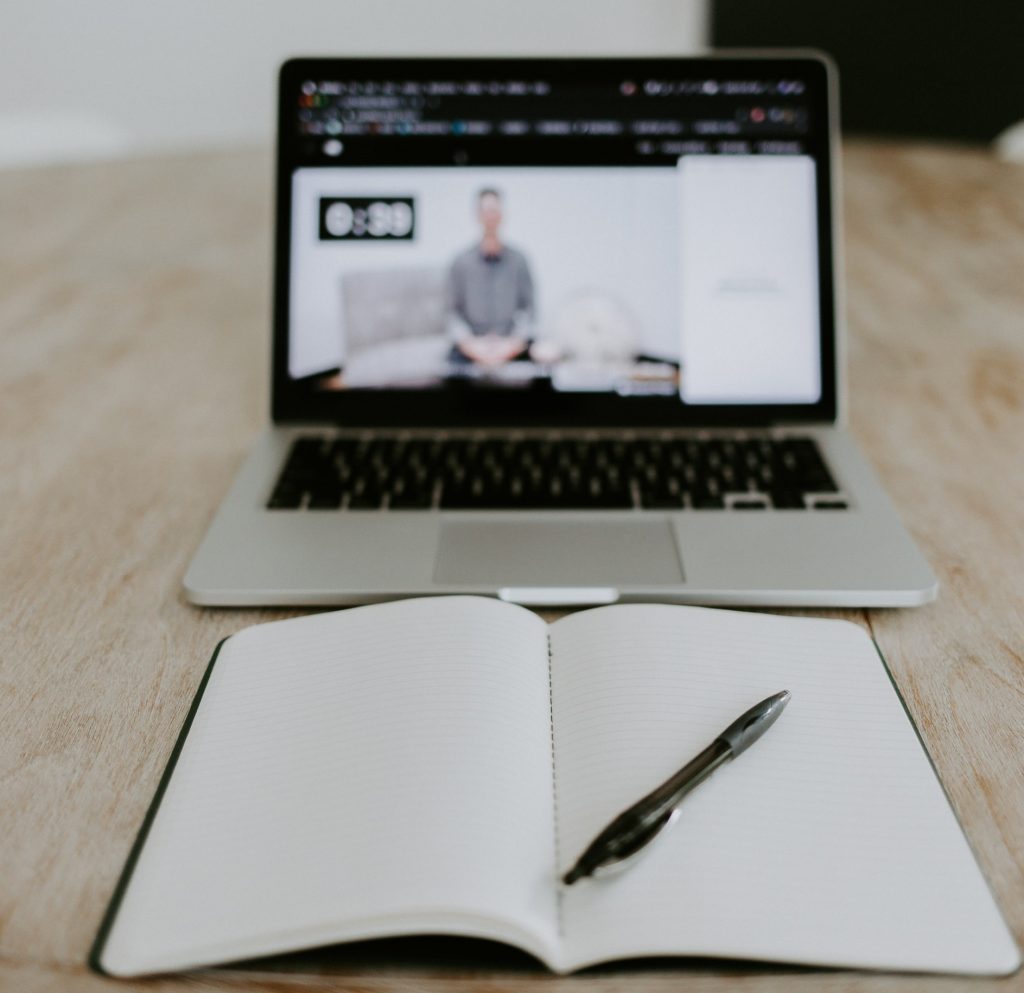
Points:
[490,295]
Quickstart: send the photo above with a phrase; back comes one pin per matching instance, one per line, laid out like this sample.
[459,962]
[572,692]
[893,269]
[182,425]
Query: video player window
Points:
[688,270]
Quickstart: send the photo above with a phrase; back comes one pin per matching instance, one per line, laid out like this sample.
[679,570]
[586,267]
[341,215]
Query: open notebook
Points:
[433,766]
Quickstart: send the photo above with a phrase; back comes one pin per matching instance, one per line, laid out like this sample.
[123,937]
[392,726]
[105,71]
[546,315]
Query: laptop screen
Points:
[619,241]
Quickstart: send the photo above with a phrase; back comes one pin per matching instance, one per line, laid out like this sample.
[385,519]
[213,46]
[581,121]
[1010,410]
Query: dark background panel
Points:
[945,69]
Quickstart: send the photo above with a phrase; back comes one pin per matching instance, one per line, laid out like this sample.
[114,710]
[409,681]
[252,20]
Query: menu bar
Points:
[645,116]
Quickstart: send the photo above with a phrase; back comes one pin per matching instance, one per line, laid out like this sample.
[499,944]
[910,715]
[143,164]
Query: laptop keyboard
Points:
[563,472]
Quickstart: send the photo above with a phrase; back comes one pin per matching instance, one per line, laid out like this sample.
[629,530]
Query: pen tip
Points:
[576,872]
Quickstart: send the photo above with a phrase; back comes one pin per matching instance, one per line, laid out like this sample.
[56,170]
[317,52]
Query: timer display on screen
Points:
[366,218]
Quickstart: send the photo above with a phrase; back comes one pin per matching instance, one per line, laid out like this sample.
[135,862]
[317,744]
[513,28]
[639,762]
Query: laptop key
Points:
[610,495]
[653,501]
[787,500]
[325,498]
[365,495]
[364,501]
[286,499]
[707,502]
[412,500]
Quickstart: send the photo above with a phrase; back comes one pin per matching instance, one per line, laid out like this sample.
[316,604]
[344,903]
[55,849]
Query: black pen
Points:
[638,826]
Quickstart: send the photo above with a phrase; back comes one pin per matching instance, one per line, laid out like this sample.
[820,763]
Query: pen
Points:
[639,825]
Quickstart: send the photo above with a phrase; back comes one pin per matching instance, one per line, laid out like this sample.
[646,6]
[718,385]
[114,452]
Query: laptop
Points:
[560,331]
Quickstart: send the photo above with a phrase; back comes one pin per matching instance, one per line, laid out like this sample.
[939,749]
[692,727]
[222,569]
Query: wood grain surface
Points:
[134,349]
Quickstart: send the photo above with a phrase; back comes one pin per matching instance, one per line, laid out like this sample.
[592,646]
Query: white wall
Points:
[86,78]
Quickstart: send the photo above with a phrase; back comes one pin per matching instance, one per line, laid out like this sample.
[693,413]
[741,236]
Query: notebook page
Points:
[380,770]
[829,841]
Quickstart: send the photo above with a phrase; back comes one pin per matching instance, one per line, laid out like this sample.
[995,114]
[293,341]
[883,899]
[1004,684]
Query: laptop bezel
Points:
[293,401]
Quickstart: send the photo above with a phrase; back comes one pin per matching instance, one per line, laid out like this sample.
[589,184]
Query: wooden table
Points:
[134,350]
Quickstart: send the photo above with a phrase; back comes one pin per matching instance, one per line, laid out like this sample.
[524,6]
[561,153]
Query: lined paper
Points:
[380,770]
[830,841]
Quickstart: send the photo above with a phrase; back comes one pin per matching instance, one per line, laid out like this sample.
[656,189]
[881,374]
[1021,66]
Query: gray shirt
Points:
[490,293]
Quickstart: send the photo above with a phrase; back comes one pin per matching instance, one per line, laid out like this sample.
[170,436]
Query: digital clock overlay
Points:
[367,218]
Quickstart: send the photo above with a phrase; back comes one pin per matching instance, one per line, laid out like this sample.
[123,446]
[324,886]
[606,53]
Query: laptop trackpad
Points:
[553,553]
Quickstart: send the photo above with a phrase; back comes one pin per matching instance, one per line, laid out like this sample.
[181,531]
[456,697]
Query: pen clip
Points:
[639,843]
